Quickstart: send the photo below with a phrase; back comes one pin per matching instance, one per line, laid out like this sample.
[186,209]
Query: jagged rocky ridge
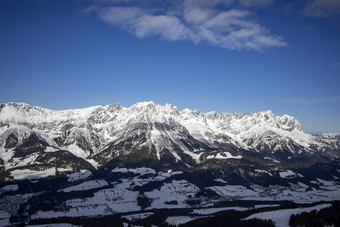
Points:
[146,134]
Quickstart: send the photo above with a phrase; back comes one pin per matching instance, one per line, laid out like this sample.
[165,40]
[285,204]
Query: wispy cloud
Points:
[336,64]
[322,8]
[199,21]
[256,3]
[315,8]
[302,100]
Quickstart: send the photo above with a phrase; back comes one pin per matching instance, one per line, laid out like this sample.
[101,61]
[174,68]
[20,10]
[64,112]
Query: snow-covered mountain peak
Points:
[114,106]
[289,123]
[268,114]
[213,115]
[150,110]
[18,113]
[264,119]
[142,105]
[171,109]
[189,114]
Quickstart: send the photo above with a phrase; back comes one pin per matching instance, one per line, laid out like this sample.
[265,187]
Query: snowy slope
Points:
[281,217]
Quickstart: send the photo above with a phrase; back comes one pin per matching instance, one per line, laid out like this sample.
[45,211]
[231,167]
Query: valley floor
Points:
[147,197]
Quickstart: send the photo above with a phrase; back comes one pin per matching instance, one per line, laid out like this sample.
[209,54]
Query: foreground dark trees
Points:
[325,217]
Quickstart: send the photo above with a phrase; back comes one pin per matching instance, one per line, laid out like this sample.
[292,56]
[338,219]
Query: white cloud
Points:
[196,15]
[256,3]
[167,27]
[227,19]
[198,21]
[121,16]
[206,3]
[113,1]
[234,30]
[322,8]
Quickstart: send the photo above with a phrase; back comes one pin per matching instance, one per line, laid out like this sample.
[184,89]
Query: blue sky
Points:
[223,55]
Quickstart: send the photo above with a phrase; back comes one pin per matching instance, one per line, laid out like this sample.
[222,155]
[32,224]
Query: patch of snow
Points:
[179,220]
[224,155]
[266,205]
[220,180]
[303,185]
[93,163]
[289,174]
[163,175]
[263,171]
[139,216]
[140,171]
[233,191]
[207,211]
[22,174]
[326,183]
[77,151]
[79,175]
[178,191]
[271,159]
[51,149]
[87,185]
[65,169]
[8,188]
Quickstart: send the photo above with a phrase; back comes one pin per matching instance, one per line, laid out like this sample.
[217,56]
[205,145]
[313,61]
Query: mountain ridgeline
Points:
[146,134]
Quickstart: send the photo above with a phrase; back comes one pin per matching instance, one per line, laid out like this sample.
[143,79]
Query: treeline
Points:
[229,218]
[220,221]
[80,221]
[325,217]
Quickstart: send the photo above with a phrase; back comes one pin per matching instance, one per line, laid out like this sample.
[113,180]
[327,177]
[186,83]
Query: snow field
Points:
[8,188]
[281,217]
[208,211]
[87,185]
[233,191]
[179,220]
[178,191]
[139,216]
[22,174]
[79,175]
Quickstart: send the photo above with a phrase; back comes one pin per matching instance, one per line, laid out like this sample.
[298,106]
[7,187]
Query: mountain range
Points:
[36,140]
